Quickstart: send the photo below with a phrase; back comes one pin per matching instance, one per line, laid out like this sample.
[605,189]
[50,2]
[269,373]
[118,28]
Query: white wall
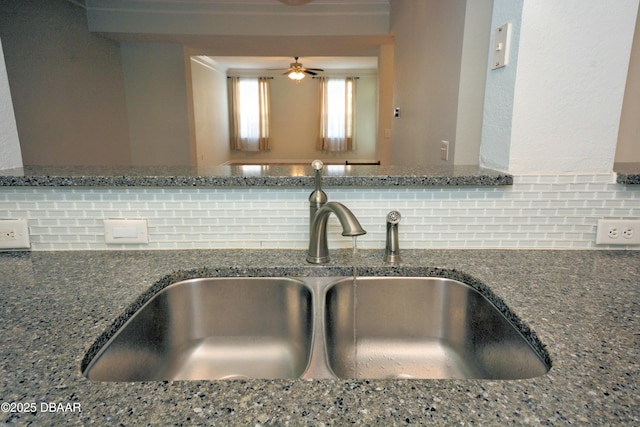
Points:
[473,74]
[10,156]
[295,126]
[499,92]
[210,112]
[366,117]
[385,103]
[568,91]
[570,85]
[428,37]
[628,149]
[155,86]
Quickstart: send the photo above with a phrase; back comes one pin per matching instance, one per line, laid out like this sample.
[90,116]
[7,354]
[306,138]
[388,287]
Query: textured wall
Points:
[572,69]
[499,92]
[556,107]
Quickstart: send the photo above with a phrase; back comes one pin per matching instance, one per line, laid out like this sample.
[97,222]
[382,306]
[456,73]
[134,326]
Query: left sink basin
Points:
[214,328]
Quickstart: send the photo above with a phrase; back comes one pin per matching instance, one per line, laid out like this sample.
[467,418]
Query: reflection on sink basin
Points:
[219,328]
[421,328]
[317,327]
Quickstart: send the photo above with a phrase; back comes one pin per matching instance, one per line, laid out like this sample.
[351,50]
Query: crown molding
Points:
[209,63]
[238,7]
[238,18]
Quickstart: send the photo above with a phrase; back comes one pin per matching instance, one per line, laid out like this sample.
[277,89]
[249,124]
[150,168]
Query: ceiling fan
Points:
[296,71]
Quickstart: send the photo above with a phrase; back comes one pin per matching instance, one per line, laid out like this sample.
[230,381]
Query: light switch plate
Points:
[125,231]
[501,45]
[14,234]
[444,150]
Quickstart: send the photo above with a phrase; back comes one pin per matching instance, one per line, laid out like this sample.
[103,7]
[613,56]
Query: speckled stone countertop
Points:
[627,173]
[253,175]
[583,305]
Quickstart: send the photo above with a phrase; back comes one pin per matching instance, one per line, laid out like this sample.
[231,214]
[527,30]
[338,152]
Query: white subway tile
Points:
[536,212]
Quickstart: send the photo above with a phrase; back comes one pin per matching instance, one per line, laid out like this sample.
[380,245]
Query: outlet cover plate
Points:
[618,232]
[14,234]
[125,231]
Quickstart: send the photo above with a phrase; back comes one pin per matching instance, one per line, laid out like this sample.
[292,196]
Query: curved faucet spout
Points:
[318,249]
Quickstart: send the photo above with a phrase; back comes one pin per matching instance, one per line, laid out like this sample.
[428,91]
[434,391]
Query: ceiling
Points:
[224,41]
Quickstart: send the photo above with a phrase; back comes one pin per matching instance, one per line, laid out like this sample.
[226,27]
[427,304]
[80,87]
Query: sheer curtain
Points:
[337,114]
[250,101]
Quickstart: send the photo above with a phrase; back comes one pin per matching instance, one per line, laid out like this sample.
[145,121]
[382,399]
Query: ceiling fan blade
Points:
[315,69]
[310,72]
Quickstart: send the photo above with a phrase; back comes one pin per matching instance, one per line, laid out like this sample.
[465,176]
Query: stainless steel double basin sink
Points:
[313,327]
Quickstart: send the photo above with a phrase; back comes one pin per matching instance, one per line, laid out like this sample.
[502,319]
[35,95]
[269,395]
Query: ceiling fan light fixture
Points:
[296,75]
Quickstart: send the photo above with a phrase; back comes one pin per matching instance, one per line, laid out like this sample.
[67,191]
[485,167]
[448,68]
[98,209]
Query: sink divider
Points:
[318,367]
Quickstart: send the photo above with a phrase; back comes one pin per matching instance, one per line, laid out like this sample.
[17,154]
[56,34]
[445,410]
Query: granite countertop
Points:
[251,175]
[627,173]
[583,305]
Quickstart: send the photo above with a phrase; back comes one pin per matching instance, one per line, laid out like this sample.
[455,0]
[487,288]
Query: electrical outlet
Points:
[7,235]
[14,234]
[618,232]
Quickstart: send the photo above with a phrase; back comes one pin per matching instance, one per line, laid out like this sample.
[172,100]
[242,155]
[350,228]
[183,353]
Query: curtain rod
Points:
[271,78]
[328,77]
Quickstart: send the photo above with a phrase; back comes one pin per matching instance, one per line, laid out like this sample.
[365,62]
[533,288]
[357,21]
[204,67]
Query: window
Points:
[250,114]
[337,114]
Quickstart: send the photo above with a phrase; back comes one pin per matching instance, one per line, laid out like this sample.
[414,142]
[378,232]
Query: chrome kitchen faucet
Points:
[319,212]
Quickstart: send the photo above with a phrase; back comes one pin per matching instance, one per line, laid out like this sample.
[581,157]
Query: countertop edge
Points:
[257,181]
[627,173]
[628,179]
[252,176]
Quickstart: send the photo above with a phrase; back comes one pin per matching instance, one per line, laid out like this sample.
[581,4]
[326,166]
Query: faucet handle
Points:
[317,198]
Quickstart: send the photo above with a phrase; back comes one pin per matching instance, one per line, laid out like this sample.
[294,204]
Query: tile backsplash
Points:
[536,212]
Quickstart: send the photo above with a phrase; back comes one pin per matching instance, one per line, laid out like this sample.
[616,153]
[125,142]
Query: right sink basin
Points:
[421,327]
